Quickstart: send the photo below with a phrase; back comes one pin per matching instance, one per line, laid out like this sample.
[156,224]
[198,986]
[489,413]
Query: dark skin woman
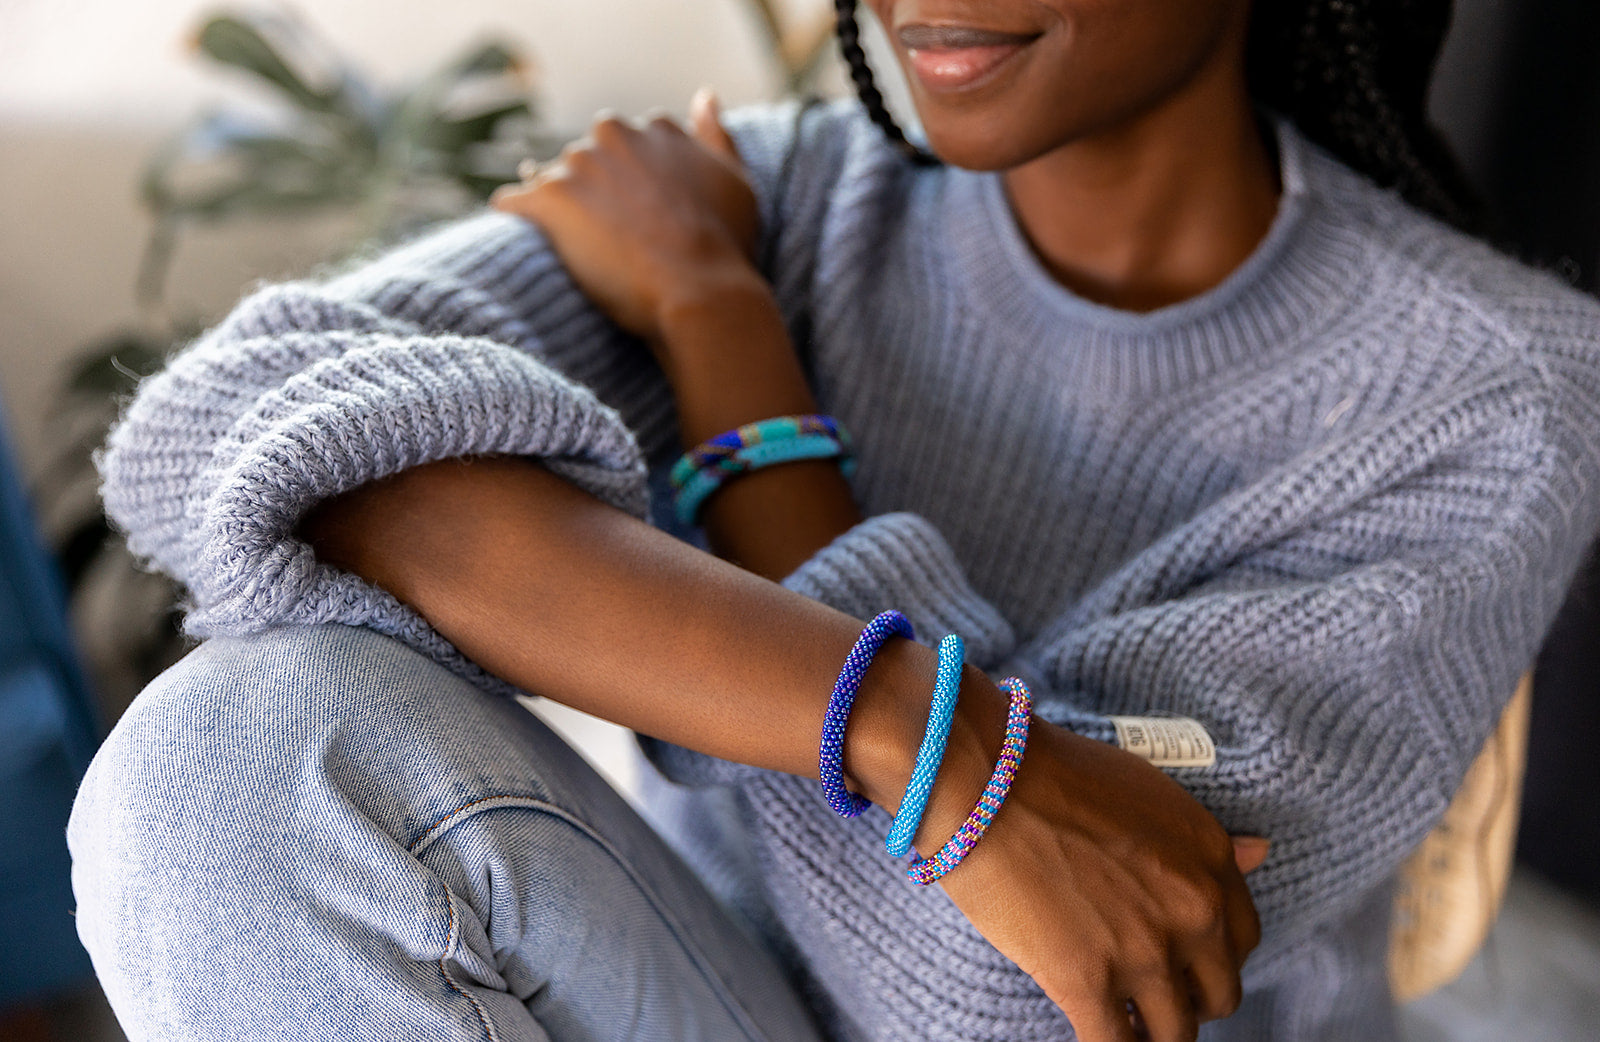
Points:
[1128,134]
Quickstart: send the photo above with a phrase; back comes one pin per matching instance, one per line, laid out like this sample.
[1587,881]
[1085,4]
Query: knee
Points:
[266,791]
[261,748]
[241,846]
[271,734]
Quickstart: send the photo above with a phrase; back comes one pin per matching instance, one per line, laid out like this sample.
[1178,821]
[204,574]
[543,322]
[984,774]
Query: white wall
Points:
[126,61]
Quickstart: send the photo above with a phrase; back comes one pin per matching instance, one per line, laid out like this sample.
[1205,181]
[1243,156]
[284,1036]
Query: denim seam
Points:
[444,824]
[508,801]
[451,941]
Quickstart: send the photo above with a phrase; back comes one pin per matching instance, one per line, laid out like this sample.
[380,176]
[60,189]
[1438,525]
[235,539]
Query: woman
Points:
[1159,405]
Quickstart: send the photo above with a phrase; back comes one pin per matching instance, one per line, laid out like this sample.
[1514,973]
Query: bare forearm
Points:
[569,598]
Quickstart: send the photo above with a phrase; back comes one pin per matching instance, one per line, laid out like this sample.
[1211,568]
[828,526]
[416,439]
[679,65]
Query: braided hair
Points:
[855,58]
[1351,74]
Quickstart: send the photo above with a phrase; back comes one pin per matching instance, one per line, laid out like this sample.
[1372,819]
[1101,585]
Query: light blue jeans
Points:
[319,834]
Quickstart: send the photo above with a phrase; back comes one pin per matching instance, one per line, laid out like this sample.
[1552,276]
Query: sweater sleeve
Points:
[309,390]
[471,339]
[1348,628]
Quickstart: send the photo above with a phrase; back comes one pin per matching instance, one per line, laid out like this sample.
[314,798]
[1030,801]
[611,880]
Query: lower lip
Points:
[963,68]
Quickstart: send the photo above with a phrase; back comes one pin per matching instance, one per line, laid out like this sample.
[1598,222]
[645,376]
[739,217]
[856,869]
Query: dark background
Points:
[1518,95]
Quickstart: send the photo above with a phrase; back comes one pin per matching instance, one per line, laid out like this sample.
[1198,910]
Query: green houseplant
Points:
[328,139]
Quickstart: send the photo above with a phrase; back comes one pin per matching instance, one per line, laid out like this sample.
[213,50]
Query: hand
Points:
[643,218]
[1105,881]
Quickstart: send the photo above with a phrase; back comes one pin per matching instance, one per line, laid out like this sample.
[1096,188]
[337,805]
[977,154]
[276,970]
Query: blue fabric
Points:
[47,734]
[317,833]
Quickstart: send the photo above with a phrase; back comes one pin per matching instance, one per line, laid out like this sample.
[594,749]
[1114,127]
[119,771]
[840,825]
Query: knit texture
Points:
[1329,508]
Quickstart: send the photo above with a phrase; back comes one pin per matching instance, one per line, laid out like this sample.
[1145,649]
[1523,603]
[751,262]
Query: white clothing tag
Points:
[1166,741]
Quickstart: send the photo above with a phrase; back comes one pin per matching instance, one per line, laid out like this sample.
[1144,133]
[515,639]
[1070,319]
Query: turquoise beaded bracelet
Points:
[703,470]
[952,651]
[713,450]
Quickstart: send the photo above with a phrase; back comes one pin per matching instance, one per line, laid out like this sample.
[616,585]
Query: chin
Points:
[984,141]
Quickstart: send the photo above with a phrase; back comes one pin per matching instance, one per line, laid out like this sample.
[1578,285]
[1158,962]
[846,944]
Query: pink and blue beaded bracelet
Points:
[925,871]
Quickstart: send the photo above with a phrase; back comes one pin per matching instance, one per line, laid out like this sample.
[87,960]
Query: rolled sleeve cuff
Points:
[901,561]
[389,405]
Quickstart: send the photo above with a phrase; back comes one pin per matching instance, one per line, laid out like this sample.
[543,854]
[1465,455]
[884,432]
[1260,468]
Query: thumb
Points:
[1249,852]
[705,120]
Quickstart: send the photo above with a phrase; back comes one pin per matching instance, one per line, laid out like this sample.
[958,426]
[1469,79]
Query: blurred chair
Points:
[1451,887]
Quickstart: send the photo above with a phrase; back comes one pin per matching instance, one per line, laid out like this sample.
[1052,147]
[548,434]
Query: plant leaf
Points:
[461,103]
[282,52]
[224,166]
[113,365]
[452,136]
[488,59]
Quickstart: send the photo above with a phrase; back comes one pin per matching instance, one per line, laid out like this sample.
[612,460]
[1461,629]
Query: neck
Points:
[1157,209]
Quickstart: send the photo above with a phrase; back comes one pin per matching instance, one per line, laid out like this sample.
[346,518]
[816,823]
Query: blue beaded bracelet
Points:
[951,653]
[724,445]
[830,757]
[700,485]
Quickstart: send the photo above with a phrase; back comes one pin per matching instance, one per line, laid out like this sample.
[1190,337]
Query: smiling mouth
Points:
[948,58]
[958,38]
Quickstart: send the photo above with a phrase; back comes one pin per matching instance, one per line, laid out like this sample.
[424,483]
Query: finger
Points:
[610,130]
[1140,1032]
[538,201]
[705,119]
[528,169]
[1215,988]
[1167,1010]
[1249,852]
[1104,1022]
[531,173]
[1243,923]
[507,197]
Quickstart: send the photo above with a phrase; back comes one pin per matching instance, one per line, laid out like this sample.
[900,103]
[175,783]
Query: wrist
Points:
[706,295]
[887,728]
[727,356]
[977,733]
[887,721]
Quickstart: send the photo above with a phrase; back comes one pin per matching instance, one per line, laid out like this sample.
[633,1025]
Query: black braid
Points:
[867,85]
[1352,74]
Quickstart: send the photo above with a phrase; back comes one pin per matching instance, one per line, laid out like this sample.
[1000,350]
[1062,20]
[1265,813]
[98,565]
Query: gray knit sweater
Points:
[1328,508]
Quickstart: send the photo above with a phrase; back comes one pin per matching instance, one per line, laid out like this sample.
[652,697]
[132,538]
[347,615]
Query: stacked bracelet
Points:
[951,653]
[712,464]
[830,757]
[726,444]
[929,870]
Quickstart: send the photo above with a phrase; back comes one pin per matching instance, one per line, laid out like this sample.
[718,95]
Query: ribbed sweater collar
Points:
[1307,262]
